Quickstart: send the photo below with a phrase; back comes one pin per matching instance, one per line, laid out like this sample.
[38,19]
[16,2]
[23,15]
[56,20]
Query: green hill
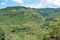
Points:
[22,23]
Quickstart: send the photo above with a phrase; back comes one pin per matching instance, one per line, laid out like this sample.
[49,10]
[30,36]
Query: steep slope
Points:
[52,23]
[54,15]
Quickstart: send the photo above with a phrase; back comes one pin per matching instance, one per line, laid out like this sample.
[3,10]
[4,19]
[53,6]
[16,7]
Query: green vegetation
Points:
[21,23]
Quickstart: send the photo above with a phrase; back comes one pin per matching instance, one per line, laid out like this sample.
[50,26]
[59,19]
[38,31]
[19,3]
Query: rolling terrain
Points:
[22,23]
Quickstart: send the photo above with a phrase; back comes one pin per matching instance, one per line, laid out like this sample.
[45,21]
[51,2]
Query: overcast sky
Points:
[31,3]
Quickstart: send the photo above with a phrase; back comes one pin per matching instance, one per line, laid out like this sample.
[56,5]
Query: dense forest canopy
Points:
[24,23]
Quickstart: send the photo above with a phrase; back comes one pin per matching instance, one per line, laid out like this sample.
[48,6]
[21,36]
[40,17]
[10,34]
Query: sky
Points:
[31,3]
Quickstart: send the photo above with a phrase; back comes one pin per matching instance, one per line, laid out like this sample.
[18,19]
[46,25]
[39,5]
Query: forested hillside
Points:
[22,23]
[47,11]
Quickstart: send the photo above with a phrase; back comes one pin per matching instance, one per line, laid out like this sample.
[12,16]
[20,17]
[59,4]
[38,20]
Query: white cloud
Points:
[18,1]
[3,3]
[53,3]
[46,4]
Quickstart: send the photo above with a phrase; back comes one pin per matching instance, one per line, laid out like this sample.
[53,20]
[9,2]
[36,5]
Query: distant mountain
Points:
[54,15]
[47,11]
